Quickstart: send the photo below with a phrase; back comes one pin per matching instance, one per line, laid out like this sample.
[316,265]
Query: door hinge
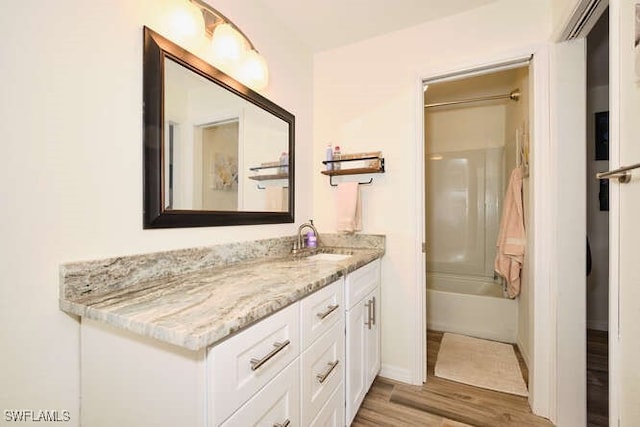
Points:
[424,248]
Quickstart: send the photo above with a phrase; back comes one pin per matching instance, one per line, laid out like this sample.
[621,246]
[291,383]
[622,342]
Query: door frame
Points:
[577,24]
[542,301]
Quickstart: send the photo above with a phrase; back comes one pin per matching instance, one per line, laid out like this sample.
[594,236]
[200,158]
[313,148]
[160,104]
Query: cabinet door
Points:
[372,339]
[356,358]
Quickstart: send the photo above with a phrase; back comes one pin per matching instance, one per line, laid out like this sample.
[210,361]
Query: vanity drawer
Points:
[322,367]
[319,311]
[332,414]
[274,405]
[242,365]
[360,282]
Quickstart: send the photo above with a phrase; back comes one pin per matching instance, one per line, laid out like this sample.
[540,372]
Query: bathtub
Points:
[471,306]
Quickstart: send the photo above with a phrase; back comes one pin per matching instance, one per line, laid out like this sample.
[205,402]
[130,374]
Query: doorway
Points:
[597,223]
[476,132]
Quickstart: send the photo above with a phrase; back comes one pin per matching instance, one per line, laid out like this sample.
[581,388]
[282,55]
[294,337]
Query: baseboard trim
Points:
[397,374]
[525,355]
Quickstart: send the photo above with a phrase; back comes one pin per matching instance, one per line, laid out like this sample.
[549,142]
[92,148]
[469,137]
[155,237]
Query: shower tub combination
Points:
[471,306]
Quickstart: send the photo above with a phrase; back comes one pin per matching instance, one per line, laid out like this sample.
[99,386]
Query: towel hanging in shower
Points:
[511,237]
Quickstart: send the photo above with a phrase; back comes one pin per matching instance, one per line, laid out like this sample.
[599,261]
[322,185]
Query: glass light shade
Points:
[186,23]
[254,71]
[228,46]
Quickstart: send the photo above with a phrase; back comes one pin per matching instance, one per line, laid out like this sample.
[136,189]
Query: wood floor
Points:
[443,403]
[597,378]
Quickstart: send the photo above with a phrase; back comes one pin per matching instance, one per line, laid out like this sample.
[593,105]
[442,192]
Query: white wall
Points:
[367,96]
[561,11]
[71,179]
[519,122]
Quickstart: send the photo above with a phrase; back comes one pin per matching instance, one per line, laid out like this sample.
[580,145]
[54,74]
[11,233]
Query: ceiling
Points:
[327,24]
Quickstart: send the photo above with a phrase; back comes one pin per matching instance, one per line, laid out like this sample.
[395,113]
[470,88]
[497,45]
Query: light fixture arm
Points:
[213,18]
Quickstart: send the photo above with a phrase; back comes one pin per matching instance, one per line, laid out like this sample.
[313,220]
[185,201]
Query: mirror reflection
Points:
[215,152]
[221,152]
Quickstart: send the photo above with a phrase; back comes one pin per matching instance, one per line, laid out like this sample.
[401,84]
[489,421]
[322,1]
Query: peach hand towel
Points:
[511,237]
[348,209]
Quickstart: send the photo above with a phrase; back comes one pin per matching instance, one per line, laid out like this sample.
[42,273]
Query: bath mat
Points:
[481,363]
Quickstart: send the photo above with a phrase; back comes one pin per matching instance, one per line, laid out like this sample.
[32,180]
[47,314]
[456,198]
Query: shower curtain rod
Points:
[514,95]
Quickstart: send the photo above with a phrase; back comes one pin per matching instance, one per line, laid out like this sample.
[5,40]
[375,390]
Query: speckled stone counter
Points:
[194,298]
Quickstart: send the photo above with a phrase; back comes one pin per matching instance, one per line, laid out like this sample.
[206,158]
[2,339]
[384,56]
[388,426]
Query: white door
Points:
[568,134]
[624,299]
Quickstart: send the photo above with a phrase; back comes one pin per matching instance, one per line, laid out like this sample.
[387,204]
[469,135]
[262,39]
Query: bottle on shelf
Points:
[329,157]
[336,156]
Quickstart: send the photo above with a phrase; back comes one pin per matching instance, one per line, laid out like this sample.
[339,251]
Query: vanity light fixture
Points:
[231,50]
[186,23]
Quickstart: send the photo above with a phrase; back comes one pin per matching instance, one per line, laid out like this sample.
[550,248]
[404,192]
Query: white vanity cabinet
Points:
[362,298]
[286,369]
[308,364]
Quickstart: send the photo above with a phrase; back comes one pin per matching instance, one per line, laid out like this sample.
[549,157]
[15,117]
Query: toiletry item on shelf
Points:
[312,239]
[270,164]
[336,156]
[329,157]
[284,163]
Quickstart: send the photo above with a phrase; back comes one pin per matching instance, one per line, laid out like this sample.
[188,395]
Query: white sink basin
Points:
[328,257]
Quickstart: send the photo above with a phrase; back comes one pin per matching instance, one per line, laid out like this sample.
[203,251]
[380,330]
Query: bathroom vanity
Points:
[226,336]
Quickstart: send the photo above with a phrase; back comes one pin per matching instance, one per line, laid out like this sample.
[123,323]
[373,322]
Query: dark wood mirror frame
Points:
[156,49]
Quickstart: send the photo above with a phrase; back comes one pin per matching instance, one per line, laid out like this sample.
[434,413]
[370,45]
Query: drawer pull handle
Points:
[278,347]
[373,310]
[368,304]
[330,309]
[323,377]
[284,424]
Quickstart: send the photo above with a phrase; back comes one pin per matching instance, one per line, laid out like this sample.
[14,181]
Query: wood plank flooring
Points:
[443,403]
[597,378]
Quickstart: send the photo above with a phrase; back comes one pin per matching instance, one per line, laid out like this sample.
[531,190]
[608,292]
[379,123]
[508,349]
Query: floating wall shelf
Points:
[270,177]
[353,171]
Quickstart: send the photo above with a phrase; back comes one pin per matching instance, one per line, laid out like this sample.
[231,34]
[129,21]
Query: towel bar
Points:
[264,188]
[621,174]
[360,183]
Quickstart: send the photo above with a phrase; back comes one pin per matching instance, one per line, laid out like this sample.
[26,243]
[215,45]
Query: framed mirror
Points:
[215,152]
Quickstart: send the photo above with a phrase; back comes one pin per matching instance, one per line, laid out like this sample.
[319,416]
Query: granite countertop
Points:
[195,309]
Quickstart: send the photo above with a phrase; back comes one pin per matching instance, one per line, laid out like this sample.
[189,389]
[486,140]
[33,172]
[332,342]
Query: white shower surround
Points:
[472,306]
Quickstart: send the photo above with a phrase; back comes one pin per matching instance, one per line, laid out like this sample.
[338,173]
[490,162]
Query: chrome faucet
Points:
[300,243]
